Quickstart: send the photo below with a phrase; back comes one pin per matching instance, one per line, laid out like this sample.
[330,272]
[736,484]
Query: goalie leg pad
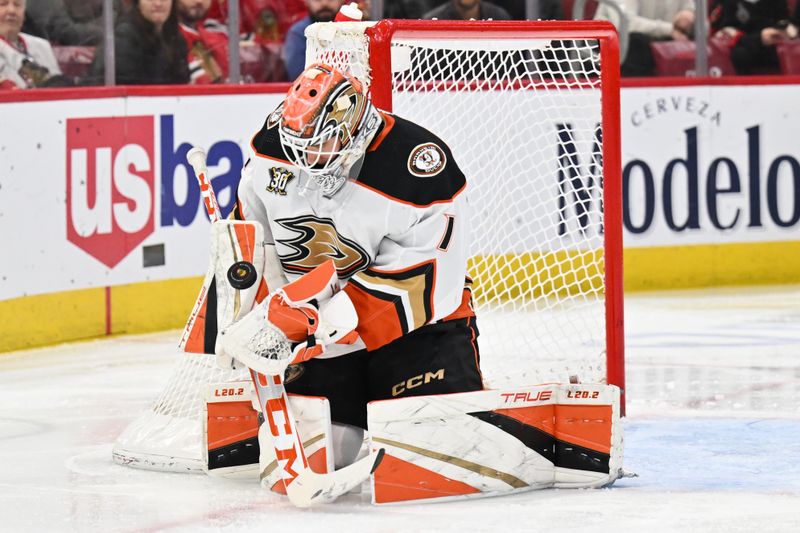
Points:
[346,443]
[231,430]
[493,442]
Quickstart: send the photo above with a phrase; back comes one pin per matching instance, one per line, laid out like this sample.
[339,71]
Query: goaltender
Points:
[333,177]
[365,243]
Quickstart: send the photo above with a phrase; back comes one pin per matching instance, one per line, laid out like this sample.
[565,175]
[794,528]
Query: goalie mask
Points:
[326,125]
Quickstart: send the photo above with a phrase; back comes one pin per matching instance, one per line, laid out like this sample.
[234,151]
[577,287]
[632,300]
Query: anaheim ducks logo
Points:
[292,373]
[426,160]
[316,240]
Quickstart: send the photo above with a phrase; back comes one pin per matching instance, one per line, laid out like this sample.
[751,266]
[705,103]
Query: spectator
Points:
[650,21]
[548,9]
[714,15]
[25,60]
[148,46]
[796,19]
[262,21]
[551,10]
[468,9]
[207,41]
[294,51]
[407,9]
[68,22]
[366,9]
[754,28]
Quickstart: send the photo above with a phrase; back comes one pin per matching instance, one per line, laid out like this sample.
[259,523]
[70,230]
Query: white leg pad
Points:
[237,447]
[231,430]
[495,442]
[347,441]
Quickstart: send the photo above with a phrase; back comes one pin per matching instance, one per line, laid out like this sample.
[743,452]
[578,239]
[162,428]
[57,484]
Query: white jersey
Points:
[29,66]
[399,234]
[651,18]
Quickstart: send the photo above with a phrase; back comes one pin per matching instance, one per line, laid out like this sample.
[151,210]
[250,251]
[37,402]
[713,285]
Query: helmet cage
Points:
[338,117]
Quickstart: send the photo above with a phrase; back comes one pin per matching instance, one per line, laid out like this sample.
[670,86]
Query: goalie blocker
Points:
[445,447]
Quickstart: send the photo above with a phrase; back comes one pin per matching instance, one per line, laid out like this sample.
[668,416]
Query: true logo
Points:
[426,160]
[279,178]
[538,396]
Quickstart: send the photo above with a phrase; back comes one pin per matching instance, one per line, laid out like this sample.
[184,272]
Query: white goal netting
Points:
[523,117]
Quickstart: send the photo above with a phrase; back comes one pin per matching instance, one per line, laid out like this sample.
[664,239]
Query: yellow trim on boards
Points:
[40,320]
[505,277]
[154,306]
[44,319]
[711,265]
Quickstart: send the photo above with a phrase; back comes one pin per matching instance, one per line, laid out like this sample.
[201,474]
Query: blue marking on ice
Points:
[712,454]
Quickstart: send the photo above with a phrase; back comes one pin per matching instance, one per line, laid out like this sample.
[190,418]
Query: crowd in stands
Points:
[746,36]
[47,43]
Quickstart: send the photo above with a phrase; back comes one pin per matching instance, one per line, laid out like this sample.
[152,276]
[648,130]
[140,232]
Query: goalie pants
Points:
[439,358]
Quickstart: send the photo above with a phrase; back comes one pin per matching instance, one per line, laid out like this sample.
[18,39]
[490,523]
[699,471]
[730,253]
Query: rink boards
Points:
[102,230]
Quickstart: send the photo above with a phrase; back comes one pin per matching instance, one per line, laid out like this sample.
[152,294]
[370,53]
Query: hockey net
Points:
[530,111]
[531,114]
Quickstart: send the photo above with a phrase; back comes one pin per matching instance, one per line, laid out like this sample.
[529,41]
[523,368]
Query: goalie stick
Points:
[304,487]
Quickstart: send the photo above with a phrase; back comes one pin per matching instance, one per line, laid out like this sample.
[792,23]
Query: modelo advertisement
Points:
[710,165]
[97,192]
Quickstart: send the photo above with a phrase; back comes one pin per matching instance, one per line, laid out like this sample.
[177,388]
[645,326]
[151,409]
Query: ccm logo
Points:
[283,438]
[538,396]
[229,392]
[416,381]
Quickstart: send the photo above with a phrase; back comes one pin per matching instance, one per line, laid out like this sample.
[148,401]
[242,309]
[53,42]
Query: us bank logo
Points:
[127,176]
[110,185]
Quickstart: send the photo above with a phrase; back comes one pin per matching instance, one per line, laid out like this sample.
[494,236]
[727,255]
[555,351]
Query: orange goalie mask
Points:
[327,121]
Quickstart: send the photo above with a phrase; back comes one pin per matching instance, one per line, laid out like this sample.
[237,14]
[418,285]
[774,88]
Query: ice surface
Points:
[713,432]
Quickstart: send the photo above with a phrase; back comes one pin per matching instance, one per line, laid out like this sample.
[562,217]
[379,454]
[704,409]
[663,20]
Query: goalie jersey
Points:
[398,234]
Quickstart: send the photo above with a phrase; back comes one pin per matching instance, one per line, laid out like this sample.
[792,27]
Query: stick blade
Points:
[310,488]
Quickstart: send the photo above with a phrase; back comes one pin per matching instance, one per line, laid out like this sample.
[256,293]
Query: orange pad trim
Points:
[585,425]
[397,480]
[231,422]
